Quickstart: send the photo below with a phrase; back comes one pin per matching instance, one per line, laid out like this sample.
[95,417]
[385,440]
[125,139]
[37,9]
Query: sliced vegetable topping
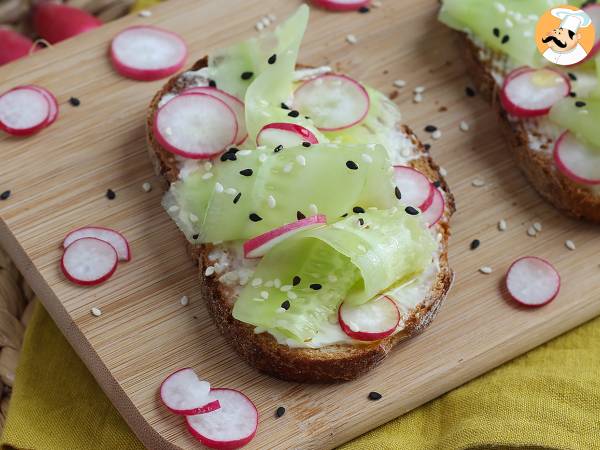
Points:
[371,321]
[581,117]
[576,160]
[414,188]
[23,111]
[89,261]
[532,281]
[435,212]
[52,102]
[284,134]
[184,393]
[114,238]
[341,5]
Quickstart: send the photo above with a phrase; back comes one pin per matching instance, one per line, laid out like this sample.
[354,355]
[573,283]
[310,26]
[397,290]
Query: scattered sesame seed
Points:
[293,113]
[412,211]
[231,191]
[212,83]
[284,106]
[502,225]
[271,202]
[278,148]
[430,128]
[572,76]
[475,243]
[580,104]
[219,187]
[246,172]
[397,193]
[478,182]
[496,32]
[277,283]
[306,144]
[280,411]
[351,165]
[264,294]
[443,172]
[173,208]
[286,305]
[194,217]
[286,288]
[358,210]
[272,59]
[110,194]
[531,232]
[288,168]
[436,135]
[570,244]
[256,282]
[280,310]
[146,187]
[418,98]
[247,75]
[296,280]
[486,270]
[299,215]
[399,83]
[315,286]
[313,209]
[237,199]
[301,160]
[259,26]
[5,195]
[262,157]
[145,13]
[244,152]
[96,312]
[505,38]
[272,17]
[207,176]
[469,91]
[210,270]
[437,183]
[184,300]
[419,89]
[464,126]
[195,236]
[351,39]
[537,226]
[266,21]
[374,396]
[363,9]
[426,147]
[253,216]
[74,101]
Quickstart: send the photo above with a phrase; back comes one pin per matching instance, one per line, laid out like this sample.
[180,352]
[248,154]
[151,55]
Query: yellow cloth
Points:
[549,398]
[143,4]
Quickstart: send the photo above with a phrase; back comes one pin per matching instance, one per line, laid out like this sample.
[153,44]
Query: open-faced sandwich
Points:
[319,222]
[550,112]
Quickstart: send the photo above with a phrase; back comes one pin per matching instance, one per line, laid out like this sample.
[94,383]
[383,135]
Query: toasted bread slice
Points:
[332,363]
[531,141]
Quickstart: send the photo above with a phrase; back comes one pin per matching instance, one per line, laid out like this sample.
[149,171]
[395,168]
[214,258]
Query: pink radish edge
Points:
[333,5]
[94,227]
[102,279]
[562,167]
[369,335]
[533,305]
[299,130]
[31,130]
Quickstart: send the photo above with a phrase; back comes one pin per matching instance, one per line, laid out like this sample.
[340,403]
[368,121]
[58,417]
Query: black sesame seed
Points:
[110,194]
[412,211]
[398,193]
[573,94]
[470,91]
[286,305]
[195,236]
[307,118]
[358,210]
[5,195]
[315,286]
[237,198]
[228,157]
[306,144]
[280,411]
[426,146]
[254,217]
[505,38]
[293,113]
[430,128]
[437,183]
[344,215]
[580,104]
[572,76]
[351,165]
[212,83]
[361,222]
[246,172]
[247,75]
[278,148]
[300,216]
[296,280]
[284,106]
[374,395]
[363,9]
[475,244]
[74,101]
[496,32]
[272,59]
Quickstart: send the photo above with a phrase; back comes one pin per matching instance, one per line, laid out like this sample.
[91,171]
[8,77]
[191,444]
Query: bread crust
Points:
[563,193]
[335,363]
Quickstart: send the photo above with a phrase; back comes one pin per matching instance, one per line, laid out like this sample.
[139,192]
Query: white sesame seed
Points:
[96,312]
[351,39]
[209,271]
[145,13]
[194,217]
[259,26]
[256,282]
[301,160]
[531,232]
[173,208]
[286,288]
[367,158]
[208,165]
[502,225]
[419,89]
[331,277]
[231,191]
[478,182]
[207,176]
[168,131]
[436,135]
[184,300]
[399,83]
[264,294]
[537,226]
[288,168]
[486,270]
[271,202]
[464,126]
[443,172]
[262,157]
[570,244]
[292,295]
[362,248]
[277,283]
[266,21]
[313,209]
[258,299]
[500,7]
[418,98]
[244,152]
[280,310]
[508,22]
[219,187]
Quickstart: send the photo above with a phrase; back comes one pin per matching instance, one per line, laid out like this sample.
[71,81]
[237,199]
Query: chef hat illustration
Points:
[570,19]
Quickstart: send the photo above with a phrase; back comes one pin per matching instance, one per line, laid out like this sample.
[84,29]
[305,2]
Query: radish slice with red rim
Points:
[576,160]
[89,261]
[532,92]
[231,426]
[593,10]
[52,102]
[114,238]
[371,321]
[236,105]
[23,111]
[260,245]
[333,102]
[197,126]
[147,53]
[434,213]
[532,281]
[285,134]
[341,5]
[184,393]
[414,188]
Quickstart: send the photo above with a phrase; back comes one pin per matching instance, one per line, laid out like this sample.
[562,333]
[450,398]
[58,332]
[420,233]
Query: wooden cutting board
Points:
[59,178]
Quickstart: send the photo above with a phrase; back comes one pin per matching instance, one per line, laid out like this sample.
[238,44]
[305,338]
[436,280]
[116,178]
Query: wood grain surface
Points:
[59,177]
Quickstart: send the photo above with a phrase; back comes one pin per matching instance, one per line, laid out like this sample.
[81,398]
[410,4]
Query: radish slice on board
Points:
[285,134]
[114,238]
[593,10]
[415,188]
[147,53]
[341,5]
[529,93]
[434,213]
[260,245]
[236,105]
[23,111]
[371,321]
[53,114]
[532,281]
[195,125]
[89,261]
[576,160]
[184,393]
[333,102]
[229,427]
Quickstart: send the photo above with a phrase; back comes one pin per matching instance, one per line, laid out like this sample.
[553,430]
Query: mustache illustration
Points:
[558,42]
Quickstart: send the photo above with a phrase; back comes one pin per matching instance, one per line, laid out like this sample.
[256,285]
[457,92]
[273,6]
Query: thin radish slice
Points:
[184,393]
[114,238]
[341,5]
[333,102]
[89,261]
[593,10]
[285,134]
[229,427]
[434,213]
[53,114]
[23,111]
[414,188]
[371,321]
[236,105]
[532,281]
[576,160]
[147,53]
[197,126]
[532,92]
[260,245]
